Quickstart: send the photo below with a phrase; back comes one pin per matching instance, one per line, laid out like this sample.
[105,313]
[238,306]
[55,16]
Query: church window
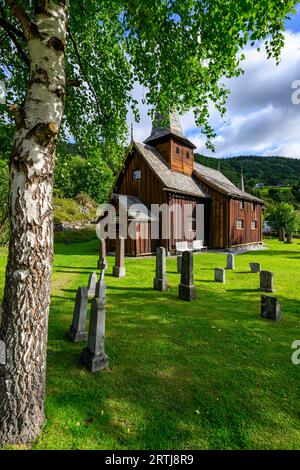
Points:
[137,175]
[239,224]
[177,150]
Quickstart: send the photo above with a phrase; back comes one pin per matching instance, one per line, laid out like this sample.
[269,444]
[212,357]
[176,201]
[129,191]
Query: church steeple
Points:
[168,138]
[160,131]
[242,184]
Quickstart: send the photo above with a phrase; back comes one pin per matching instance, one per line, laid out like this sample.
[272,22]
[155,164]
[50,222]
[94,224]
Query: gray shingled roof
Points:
[221,183]
[171,180]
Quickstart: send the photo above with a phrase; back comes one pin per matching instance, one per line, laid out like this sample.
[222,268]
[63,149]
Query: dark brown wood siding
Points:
[176,219]
[219,218]
[148,189]
[250,213]
[182,158]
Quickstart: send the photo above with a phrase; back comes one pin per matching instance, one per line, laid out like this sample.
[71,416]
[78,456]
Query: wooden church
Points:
[162,170]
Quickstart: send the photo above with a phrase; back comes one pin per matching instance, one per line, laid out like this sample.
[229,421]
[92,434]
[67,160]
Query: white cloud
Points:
[261,118]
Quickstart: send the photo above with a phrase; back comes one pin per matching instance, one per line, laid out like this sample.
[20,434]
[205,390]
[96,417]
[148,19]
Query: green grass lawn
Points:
[210,374]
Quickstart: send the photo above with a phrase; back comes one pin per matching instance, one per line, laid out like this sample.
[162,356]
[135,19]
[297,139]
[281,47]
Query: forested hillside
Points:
[271,171]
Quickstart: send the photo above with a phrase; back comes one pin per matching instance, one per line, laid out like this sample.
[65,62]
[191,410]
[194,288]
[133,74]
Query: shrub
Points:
[284,215]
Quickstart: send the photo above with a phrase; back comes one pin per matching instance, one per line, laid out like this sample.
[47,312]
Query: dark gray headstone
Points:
[230,261]
[119,267]
[255,267]
[77,331]
[2,353]
[187,289]
[220,275]
[281,235]
[94,355]
[179,263]
[267,281]
[160,281]
[289,239]
[100,292]
[92,284]
[270,308]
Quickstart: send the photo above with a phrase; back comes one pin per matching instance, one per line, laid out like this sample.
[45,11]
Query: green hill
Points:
[271,171]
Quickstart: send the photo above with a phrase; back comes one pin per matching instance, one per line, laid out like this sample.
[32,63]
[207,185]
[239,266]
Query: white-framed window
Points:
[242,204]
[254,224]
[239,224]
[253,206]
[136,175]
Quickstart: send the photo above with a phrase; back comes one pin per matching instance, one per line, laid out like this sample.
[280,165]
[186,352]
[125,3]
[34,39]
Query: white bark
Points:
[27,292]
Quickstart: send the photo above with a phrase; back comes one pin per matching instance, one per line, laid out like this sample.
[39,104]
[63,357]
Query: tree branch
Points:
[80,63]
[10,32]
[22,17]
[15,30]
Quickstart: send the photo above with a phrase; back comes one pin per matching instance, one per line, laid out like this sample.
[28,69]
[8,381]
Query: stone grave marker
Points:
[220,275]
[160,281]
[94,355]
[255,267]
[270,308]
[77,331]
[187,289]
[92,284]
[179,263]
[230,261]
[267,281]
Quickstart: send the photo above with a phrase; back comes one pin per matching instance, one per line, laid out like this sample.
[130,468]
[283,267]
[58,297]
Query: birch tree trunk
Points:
[26,302]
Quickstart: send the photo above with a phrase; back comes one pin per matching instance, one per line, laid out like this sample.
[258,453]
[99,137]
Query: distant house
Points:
[163,170]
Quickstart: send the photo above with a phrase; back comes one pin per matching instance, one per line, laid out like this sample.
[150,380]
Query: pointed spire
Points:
[242,185]
[132,133]
[173,125]
[162,127]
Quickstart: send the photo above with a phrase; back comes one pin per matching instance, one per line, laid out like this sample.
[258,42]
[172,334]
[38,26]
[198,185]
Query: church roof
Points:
[171,180]
[139,214]
[217,180]
[173,128]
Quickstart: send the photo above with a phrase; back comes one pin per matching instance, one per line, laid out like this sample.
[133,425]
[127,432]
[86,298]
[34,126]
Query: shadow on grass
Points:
[209,374]
[167,390]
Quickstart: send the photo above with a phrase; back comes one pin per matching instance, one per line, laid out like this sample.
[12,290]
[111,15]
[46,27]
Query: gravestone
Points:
[179,263]
[94,355]
[255,267]
[289,239]
[160,281]
[187,289]
[2,353]
[267,281]
[77,331]
[100,292]
[281,235]
[102,255]
[270,308]
[230,261]
[92,284]
[119,267]
[220,275]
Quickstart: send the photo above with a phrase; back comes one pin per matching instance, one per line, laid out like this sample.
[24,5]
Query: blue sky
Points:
[261,118]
